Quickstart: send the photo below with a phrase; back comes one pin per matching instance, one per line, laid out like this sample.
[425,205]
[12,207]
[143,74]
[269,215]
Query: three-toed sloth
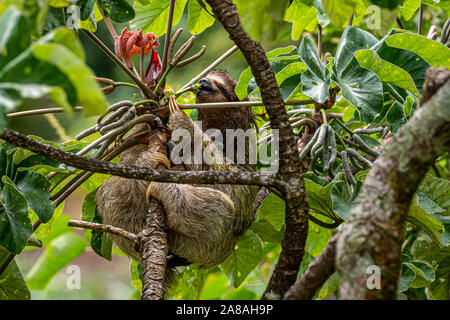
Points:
[204,221]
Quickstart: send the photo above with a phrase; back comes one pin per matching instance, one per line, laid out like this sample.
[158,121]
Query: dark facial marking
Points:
[224,91]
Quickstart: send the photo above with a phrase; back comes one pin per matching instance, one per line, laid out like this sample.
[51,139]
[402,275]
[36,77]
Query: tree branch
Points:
[316,274]
[154,246]
[135,172]
[291,170]
[375,231]
[247,104]
[103,228]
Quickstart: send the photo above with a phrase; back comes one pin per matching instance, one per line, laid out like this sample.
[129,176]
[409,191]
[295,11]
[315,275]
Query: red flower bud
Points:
[153,73]
[130,43]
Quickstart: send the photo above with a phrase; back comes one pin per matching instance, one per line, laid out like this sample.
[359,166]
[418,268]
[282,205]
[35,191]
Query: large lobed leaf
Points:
[361,87]
[153,16]
[316,79]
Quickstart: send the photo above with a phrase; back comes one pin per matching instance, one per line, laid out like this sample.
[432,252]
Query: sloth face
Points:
[216,87]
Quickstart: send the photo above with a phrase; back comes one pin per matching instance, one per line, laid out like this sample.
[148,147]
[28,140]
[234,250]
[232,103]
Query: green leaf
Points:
[302,17]
[88,91]
[393,111]
[361,87]
[386,71]
[319,198]
[246,76]
[261,16]
[118,10]
[342,196]
[352,40]
[14,38]
[136,271]
[15,225]
[61,251]
[86,7]
[101,243]
[390,4]
[35,12]
[424,273]
[68,39]
[279,60]
[266,231]
[272,210]
[407,60]
[339,11]
[240,294]
[406,279]
[35,188]
[13,95]
[215,286]
[329,287]
[288,79]
[190,283]
[247,254]
[419,216]
[438,190]
[153,17]
[318,239]
[317,78]
[12,285]
[199,18]
[409,8]
[59,3]
[433,52]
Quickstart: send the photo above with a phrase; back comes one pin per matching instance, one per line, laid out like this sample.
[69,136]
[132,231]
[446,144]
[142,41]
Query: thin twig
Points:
[241,104]
[108,22]
[319,40]
[40,111]
[103,228]
[211,67]
[420,18]
[168,33]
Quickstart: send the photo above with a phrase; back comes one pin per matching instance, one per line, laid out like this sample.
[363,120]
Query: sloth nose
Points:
[204,82]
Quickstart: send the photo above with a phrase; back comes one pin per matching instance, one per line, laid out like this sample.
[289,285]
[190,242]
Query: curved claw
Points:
[173,105]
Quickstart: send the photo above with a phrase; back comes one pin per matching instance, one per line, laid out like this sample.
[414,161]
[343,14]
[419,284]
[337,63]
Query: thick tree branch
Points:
[291,169]
[316,274]
[135,172]
[154,247]
[375,231]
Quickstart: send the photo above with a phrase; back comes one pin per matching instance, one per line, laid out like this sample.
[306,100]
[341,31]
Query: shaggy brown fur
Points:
[204,222]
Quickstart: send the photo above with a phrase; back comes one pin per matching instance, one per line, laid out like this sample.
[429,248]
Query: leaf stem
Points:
[168,33]
[419,31]
[211,67]
[141,102]
[162,80]
[342,124]
[324,115]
